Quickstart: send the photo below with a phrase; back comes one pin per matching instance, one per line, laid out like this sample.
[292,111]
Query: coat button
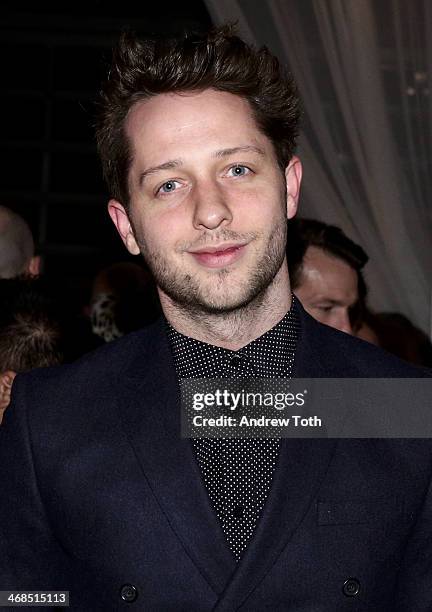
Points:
[128,593]
[351,587]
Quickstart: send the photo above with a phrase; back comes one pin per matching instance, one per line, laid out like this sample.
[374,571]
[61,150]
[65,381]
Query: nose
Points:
[211,209]
[342,322]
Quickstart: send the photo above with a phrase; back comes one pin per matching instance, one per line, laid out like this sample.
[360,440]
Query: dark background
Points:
[54,56]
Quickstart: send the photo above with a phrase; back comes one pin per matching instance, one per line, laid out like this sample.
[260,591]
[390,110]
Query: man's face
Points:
[328,288]
[208,202]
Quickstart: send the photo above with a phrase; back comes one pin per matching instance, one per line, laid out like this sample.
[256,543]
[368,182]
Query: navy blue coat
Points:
[100,496]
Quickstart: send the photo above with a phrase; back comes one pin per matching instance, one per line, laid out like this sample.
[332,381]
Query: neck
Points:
[235,329]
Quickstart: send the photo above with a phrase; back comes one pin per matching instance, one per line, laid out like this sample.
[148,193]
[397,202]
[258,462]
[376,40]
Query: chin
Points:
[223,293]
[224,303]
[221,307]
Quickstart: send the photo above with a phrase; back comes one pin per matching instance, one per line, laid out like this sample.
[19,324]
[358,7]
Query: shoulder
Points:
[337,354]
[90,380]
[107,360]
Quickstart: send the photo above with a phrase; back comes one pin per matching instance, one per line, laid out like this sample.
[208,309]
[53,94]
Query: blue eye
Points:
[239,170]
[168,187]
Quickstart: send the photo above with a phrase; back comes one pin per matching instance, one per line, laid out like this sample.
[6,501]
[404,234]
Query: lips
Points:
[218,256]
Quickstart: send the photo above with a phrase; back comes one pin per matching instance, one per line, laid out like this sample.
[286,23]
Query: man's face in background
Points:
[328,288]
[208,201]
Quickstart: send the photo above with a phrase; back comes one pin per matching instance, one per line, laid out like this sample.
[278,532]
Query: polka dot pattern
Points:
[238,473]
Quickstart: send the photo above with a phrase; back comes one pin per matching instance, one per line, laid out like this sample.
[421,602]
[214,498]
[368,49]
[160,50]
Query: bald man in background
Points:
[16,246]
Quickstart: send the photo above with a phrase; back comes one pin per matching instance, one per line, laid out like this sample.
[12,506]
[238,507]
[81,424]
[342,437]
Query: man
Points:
[16,246]
[325,269]
[30,331]
[104,498]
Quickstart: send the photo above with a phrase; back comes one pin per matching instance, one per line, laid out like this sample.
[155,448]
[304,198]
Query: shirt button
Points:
[351,587]
[236,361]
[128,593]
[238,511]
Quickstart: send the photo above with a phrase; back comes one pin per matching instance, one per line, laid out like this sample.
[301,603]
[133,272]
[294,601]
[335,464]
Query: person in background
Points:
[325,269]
[18,259]
[17,251]
[30,331]
[366,329]
[395,333]
[123,299]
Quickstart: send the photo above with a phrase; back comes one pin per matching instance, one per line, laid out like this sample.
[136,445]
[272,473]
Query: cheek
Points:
[322,317]
[259,209]
[162,231]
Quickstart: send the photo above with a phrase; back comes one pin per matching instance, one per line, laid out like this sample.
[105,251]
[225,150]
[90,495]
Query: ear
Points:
[34,265]
[293,177]
[121,220]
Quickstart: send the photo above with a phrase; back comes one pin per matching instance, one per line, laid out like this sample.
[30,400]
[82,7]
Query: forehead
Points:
[327,273]
[176,123]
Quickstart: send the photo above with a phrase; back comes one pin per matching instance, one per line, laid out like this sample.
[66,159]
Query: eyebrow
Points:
[169,165]
[333,302]
[232,151]
[175,163]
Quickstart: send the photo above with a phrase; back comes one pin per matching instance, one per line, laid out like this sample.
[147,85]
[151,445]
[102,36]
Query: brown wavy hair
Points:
[219,60]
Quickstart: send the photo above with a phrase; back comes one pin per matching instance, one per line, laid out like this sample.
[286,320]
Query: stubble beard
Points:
[216,295]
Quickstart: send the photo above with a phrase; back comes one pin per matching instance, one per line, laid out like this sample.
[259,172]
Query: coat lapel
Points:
[149,405]
[301,469]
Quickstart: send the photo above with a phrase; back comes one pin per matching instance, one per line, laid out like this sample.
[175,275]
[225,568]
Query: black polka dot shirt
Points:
[238,473]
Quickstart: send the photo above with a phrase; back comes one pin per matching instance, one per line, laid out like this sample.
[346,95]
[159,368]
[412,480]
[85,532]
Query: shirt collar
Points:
[269,356]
